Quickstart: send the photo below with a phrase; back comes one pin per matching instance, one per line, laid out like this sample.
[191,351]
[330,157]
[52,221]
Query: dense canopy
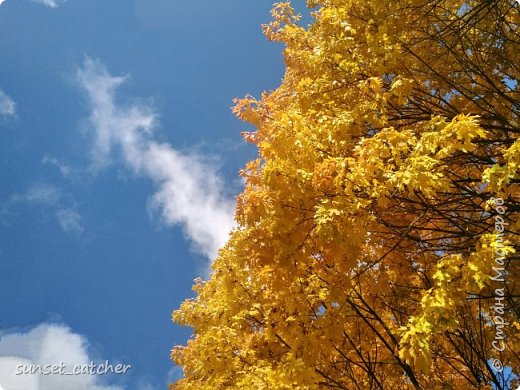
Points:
[377,236]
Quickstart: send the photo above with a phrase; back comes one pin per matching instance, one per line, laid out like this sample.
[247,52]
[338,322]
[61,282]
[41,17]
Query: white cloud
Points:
[51,199]
[50,3]
[64,169]
[189,190]
[10,380]
[47,344]
[7,105]
[70,221]
[42,194]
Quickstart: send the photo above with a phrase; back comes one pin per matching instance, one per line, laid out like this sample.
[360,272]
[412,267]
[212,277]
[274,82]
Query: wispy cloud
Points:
[47,344]
[7,105]
[65,170]
[189,190]
[49,198]
[50,3]
[41,194]
[70,221]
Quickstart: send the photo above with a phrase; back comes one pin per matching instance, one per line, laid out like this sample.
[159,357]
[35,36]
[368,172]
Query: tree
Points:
[378,231]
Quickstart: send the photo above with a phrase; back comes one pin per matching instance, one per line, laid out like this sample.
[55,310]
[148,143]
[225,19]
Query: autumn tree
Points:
[378,231]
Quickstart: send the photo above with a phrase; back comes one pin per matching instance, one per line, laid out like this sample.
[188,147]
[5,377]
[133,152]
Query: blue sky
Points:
[119,157]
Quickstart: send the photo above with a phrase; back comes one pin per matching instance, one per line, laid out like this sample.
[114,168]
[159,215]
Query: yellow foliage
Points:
[380,220]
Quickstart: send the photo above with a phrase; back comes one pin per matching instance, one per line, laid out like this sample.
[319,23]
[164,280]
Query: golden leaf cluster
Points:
[367,253]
